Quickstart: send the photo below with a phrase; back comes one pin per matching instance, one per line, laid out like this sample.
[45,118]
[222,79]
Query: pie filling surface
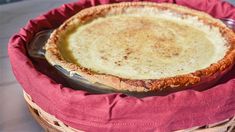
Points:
[143,44]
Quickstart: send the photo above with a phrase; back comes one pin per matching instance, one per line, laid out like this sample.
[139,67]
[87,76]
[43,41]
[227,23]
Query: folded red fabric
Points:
[117,112]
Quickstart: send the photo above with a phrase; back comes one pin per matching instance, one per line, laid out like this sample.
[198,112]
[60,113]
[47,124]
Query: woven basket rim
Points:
[51,123]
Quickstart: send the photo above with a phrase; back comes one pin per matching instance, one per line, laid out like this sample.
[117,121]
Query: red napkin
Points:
[117,112]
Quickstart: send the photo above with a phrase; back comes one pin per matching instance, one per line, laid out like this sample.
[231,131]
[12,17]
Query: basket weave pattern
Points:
[51,124]
[48,122]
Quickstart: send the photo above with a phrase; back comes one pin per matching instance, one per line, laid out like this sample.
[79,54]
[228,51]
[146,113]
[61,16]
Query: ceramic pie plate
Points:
[142,47]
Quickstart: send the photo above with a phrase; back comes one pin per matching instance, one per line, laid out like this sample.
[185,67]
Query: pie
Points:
[143,46]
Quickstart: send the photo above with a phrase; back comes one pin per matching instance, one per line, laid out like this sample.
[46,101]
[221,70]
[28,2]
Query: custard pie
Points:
[143,46]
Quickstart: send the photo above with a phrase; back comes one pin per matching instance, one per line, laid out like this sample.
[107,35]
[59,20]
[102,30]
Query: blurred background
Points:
[8,1]
[14,14]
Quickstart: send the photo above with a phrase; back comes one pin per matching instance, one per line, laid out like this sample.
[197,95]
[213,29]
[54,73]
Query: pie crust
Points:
[140,83]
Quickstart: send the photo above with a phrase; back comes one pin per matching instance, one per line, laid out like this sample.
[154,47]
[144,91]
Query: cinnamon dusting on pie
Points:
[142,46]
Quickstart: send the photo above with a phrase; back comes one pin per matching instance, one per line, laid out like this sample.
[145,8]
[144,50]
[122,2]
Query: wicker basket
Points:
[51,124]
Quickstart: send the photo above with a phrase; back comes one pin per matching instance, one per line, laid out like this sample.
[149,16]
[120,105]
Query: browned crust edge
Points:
[54,57]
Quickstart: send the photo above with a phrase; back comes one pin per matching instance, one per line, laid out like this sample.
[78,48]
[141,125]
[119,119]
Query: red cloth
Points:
[116,112]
